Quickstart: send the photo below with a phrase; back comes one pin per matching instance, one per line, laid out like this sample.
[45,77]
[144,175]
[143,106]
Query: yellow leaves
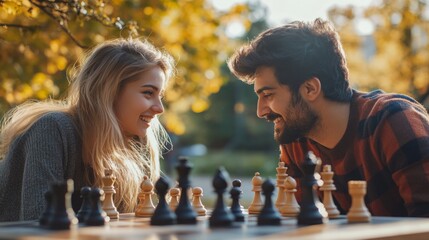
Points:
[173,123]
[421,79]
[17,95]
[11,7]
[200,105]
[239,9]
[59,63]
[148,10]
[42,86]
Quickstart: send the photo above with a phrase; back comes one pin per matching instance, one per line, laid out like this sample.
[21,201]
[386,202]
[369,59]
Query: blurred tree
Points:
[400,60]
[40,38]
[231,122]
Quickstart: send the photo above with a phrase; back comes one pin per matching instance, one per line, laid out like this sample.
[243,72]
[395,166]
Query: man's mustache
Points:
[271,116]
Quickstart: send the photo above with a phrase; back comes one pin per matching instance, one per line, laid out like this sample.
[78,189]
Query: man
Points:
[300,75]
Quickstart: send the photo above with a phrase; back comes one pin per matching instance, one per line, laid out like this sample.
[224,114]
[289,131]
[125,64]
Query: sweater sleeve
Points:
[44,164]
[404,138]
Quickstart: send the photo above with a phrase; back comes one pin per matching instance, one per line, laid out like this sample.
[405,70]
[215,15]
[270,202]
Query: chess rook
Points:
[221,215]
[184,211]
[312,210]
[109,190]
[162,214]
[327,188]
[256,205]
[358,212]
[281,176]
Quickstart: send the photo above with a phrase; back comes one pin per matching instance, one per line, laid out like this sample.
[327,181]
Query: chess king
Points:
[300,76]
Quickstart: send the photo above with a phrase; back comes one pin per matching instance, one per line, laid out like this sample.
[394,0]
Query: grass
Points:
[237,163]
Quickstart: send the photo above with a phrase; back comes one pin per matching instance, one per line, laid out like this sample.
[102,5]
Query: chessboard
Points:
[130,227]
[186,218]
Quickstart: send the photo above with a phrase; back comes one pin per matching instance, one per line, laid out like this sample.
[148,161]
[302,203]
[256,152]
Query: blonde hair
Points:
[95,83]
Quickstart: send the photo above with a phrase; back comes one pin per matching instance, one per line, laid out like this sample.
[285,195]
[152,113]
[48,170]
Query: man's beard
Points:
[301,119]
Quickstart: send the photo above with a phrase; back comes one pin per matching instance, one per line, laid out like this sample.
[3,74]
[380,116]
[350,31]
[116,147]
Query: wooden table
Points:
[130,227]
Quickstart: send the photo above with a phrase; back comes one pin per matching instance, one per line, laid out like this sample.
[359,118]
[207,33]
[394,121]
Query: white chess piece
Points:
[281,176]
[174,201]
[358,212]
[145,208]
[197,193]
[291,207]
[108,188]
[256,205]
[327,188]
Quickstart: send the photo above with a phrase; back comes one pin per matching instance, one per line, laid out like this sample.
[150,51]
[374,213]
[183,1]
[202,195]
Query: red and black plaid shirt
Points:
[387,145]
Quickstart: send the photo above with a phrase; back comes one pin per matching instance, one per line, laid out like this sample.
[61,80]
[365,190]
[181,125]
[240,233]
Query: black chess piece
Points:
[85,194]
[44,218]
[235,205]
[312,210]
[268,215]
[184,212]
[221,215]
[61,211]
[162,214]
[96,215]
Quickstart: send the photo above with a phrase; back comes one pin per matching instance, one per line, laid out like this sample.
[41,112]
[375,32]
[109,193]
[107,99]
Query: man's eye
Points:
[267,95]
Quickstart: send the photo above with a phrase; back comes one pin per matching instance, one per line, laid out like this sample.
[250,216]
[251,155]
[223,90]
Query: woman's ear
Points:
[311,89]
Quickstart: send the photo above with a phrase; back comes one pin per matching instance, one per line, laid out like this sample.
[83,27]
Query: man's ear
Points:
[311,89]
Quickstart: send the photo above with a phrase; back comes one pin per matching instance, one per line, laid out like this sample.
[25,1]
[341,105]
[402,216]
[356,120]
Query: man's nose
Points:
[262,109]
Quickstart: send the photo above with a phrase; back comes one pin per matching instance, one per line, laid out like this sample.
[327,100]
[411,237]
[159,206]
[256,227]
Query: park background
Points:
[210,115]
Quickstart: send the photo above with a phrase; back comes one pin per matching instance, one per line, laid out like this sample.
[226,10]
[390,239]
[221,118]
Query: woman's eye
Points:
[149,93]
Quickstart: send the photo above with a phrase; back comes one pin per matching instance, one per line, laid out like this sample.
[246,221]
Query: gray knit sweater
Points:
[50,151]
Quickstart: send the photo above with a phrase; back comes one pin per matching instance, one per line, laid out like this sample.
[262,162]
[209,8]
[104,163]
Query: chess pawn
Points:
[174,201]
[291,207]
[162,214]
[145,208]
[236,208]
[327,188]
[109,190]
[256,205]
[281,176]
[85,194]
[358,211]
[269,215]
[96,216]
[197,193]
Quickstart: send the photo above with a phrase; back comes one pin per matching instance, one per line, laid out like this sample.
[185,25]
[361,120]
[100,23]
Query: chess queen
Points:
[107,121]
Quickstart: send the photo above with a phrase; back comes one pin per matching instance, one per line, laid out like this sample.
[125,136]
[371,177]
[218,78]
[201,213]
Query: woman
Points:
[108,121]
